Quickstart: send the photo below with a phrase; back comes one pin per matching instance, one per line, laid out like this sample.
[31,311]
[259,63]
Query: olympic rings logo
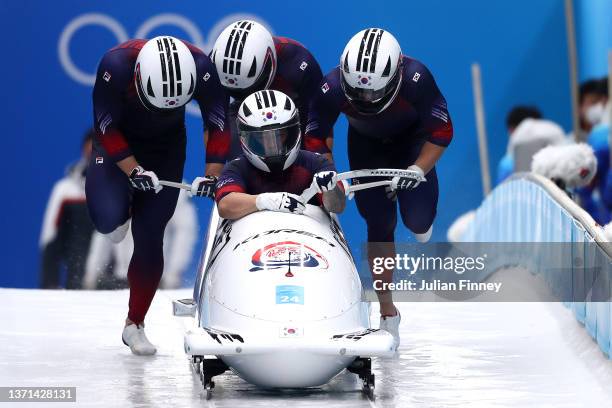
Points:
[117,29]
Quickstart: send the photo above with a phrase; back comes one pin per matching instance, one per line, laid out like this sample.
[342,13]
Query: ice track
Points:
[452,355]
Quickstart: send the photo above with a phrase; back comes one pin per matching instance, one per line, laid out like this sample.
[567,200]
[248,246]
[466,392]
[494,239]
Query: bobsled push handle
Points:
[351,188]
[182,186]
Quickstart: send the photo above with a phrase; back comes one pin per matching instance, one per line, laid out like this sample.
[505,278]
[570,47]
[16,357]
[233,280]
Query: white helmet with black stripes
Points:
[245,57]
[165,74]
[269,126]
[371,70]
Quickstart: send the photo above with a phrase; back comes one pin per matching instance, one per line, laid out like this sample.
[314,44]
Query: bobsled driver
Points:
[139,101]
[272,170]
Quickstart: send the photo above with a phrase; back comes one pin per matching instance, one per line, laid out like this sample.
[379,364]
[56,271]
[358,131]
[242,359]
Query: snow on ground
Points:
[452,355]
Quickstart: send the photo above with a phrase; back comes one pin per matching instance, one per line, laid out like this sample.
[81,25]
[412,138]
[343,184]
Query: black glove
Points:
[204,186]
[325,181]
[144,180]
[405,183]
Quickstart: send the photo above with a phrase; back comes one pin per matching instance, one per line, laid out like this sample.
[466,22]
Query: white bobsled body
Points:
[279,300]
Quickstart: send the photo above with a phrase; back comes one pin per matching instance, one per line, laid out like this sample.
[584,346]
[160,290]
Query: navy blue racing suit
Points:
[239,175]
[125,127]
[392,138]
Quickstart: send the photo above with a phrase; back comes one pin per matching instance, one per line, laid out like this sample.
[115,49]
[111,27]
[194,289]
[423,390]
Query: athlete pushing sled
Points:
[398,118]
[139,101]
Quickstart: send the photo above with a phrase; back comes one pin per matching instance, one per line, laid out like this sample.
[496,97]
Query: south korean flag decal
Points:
[290,331]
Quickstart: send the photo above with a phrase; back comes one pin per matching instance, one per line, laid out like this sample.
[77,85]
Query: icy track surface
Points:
[452,355]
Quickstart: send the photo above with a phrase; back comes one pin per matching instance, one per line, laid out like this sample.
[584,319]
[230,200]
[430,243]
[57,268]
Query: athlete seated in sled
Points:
[272,170]
[264,295]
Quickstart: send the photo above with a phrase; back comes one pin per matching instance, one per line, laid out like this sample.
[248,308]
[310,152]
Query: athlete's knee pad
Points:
[109,219]
[425,236]
[419,222]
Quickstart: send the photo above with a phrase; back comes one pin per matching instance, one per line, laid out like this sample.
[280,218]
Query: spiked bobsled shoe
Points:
[135,338]
[391,324]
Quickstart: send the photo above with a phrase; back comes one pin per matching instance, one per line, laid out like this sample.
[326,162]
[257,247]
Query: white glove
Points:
[144,180]
[325,181]
[203,186]
[282,202]
[404,183]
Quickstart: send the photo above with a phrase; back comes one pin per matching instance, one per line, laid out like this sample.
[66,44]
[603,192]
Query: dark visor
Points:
[371,95]
[271,142]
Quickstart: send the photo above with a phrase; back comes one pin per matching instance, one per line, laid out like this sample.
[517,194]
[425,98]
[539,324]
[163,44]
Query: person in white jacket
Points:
[67,228]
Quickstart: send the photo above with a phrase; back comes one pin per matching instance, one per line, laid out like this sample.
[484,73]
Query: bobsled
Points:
[278,300]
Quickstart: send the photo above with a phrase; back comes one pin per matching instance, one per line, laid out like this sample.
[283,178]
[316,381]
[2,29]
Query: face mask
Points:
[595,113]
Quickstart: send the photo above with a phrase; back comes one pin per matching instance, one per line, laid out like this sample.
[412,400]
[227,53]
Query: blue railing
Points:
[530,208]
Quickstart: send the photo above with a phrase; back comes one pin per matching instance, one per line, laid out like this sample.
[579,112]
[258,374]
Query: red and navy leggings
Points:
[111,201]
[417,207]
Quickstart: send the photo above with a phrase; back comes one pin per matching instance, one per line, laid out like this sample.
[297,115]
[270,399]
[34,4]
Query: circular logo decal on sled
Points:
[287,254]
